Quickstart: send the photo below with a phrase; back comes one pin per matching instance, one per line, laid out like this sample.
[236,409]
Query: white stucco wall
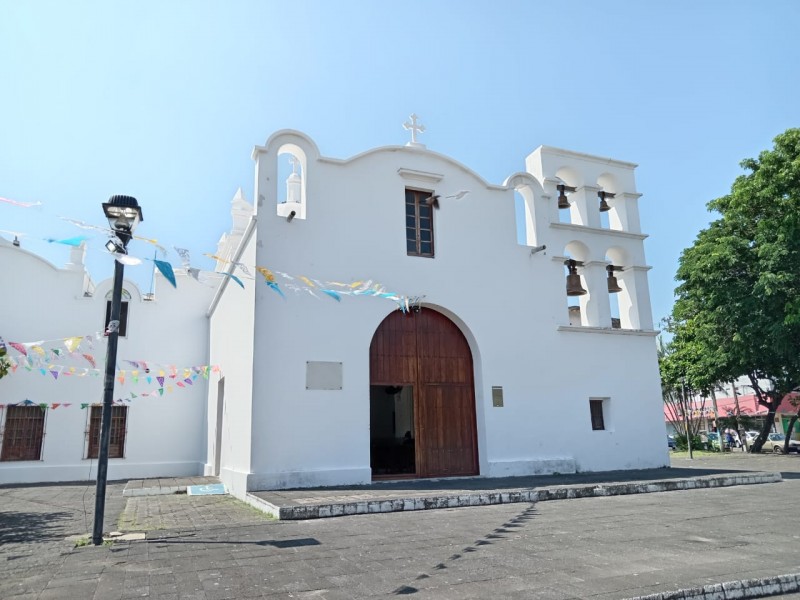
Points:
[510,304]
[165,435]
[231,347]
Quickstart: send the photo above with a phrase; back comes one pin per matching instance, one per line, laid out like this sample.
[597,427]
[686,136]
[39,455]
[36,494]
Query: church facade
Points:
[399,317]
[453,348]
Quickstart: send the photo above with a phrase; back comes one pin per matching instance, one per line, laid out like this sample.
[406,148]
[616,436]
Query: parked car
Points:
[713,441]
[776,441]
[671,442]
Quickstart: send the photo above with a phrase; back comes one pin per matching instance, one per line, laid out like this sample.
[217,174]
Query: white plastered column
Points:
[625,213]
[634,306]
[597,307]
[583,208]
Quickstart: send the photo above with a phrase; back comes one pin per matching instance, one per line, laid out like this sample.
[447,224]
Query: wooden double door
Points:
[427,351]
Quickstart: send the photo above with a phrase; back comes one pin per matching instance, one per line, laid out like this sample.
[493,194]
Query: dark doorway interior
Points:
[391,426]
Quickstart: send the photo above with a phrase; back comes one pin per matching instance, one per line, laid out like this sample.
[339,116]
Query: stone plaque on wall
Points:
[323,375]
[497,395]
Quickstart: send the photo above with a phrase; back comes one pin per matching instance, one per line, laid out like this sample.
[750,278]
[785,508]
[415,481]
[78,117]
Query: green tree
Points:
[4,365]
[738,306]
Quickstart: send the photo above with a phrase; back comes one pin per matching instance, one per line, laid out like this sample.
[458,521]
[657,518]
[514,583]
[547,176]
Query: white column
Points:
[584,207]
[597,307]
[634,303]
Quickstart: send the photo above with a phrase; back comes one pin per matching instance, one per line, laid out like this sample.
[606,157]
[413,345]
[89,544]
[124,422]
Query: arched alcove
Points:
[610,219]
[573,179]
[576,305]
[624,302]
[292,170]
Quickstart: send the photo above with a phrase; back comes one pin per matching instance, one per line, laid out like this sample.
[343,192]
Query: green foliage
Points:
[4,364]
[680,443]
[738,305]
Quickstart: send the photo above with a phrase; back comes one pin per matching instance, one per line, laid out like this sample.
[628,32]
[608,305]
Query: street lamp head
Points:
[123,214]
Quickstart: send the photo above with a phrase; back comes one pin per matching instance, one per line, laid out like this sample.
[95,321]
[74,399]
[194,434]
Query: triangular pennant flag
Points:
[235,278]
[90,359]
[160,381]
[67,404]
[276,288]
[187,381]
[166,271]
[72,343]
[180,384]
[149,379]
[84,405]
[19,348]
[43,406]
[54,373]
[161,391]
[55,405]
[333,295]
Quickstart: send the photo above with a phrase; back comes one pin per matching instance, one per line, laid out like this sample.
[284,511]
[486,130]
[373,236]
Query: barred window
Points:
[23,433]
[119,427]
[596,409]
[419,223]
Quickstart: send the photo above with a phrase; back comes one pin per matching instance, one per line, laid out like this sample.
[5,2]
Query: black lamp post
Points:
[123,215]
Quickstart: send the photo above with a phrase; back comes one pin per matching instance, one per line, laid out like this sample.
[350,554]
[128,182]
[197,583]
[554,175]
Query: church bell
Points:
[563,190]
[574,287]
[604,207]
[613,285]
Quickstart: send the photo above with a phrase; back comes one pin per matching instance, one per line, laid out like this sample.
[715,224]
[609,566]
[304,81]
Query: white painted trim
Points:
[583,229]
[248,233]
[610,330]
[590,157]
[419,175]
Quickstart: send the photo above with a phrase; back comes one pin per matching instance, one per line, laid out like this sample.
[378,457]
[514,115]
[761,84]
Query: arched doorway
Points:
[422,398]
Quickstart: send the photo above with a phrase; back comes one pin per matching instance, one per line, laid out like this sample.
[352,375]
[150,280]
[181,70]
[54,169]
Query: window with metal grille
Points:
[419,223]
[123,318]
[596,409]
[23,433]
[119,427]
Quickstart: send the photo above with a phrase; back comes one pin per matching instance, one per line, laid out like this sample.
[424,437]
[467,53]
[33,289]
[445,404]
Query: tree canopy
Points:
[738,300]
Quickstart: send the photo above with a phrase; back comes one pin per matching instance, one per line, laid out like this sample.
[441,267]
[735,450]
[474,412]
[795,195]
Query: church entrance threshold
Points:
[422,399]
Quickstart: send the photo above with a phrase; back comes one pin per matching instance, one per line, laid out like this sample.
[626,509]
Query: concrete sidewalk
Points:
[215,547]
[427,494]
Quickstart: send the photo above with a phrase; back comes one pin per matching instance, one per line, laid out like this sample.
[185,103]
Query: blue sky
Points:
[165,100]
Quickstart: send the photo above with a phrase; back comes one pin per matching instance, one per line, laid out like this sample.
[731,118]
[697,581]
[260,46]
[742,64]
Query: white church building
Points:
[400,318]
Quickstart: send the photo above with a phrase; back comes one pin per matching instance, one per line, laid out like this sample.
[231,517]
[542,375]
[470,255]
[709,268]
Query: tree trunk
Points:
[762,437]
[789,430]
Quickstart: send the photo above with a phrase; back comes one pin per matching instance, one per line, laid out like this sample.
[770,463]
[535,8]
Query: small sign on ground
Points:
[212,489]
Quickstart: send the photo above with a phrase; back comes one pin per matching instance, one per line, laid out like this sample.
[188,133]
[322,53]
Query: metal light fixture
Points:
[291,216]
[124,214]
[564,190]
[604,207]
[613,285]
[574,287]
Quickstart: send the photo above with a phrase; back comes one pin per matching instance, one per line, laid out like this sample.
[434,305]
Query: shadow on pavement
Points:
[293,543]
[18,527]
[496,535]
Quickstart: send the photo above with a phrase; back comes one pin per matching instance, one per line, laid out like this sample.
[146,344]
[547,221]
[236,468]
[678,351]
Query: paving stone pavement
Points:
[214,547]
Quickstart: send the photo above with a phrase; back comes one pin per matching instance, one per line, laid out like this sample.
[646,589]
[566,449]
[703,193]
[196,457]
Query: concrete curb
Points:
[466,498]
[761,587]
